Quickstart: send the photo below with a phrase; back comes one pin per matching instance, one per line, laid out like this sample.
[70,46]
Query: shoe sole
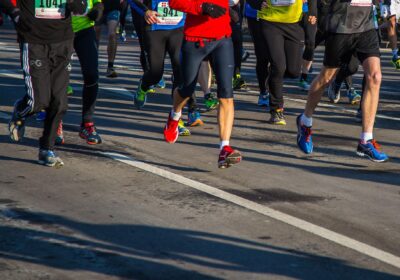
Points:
[277,123]
[196,123]
[233,158]
[356,100]
[112,76]
[56,164]
[361,154]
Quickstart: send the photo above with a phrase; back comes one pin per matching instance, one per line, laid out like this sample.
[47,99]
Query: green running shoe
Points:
[183,131]
[140,97]
[70,90]
[210,101]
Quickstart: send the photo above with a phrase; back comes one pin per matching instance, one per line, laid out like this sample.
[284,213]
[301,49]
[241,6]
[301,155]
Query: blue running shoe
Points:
[161,83]
[371,150]
[354,96]
[194,119]
[49,158]
[41,116]
[304,140]
[263,100]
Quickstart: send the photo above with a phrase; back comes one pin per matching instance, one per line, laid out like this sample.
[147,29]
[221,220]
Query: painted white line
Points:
[264,210]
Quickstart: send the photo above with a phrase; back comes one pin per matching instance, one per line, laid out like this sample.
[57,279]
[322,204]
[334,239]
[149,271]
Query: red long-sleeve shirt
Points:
[198,25]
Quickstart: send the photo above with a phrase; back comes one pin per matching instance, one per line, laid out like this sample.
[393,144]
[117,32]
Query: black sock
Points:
[110,64]
[303,77]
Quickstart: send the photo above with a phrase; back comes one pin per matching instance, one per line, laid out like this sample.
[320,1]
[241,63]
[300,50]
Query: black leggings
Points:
[237,40]
[262,62]
[310,31]
[86,48]
[139,24]
[284,43]
[157,44]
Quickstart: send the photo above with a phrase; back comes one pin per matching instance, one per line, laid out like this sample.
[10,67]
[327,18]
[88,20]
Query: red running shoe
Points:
[60,134]
[89,133]
[228,156]
[171,132]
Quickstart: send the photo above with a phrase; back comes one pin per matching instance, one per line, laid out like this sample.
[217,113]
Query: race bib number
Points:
[50,9]
[168,16]
[282,2]
[361,3]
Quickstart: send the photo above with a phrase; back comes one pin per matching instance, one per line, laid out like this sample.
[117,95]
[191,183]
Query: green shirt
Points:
[80,22]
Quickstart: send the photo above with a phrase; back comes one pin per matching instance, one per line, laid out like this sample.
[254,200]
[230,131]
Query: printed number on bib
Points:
[50,9]
[168,16]
[282,2]
[361,3]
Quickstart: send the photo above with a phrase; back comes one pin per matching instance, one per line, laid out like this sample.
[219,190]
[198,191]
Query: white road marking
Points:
[264,210]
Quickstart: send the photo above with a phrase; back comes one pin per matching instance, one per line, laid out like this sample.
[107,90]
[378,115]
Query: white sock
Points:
[306,120]
[223,143]
[176,115]
[395,52]
[365,136]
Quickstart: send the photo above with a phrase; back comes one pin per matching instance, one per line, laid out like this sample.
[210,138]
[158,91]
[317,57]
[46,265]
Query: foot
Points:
[70,90]
[122,36]
[277,117]
[60,134]
[334,93]
[182,129]
[140,97]
[194,119]
[161,84]
[304,140]
[371,150]
[263,99]
[89,133]
[304,85]
[354,96]
[210,101]
[171,131]
[396,62]
[238,82]
[16,127]
[111,73]
[49,158]
[228,156]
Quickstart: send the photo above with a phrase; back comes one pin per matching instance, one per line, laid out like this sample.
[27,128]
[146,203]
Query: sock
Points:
[176,115]
[395,53]
[223,143]
[306,121]
[303,77]
[365,136]
[110,64]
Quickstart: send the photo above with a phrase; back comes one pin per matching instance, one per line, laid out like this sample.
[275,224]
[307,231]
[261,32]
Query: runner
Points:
[163,34]
[207,33]
[110,18]
[87,51]
[262,62]
[348,36]
[45,36]
[237,39]
[390,11]
[284,36]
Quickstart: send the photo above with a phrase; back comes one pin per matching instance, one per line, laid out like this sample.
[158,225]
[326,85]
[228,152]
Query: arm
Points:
[138,6]
[255,4]
[77,7]
[312,7]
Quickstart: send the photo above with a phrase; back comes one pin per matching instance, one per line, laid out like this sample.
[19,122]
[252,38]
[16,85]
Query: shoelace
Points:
[307,132]
[375,144]
[90,129]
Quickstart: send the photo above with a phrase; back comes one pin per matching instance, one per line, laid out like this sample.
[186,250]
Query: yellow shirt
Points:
[283,14]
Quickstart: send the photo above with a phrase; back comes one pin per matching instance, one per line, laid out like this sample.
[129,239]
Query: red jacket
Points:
[198,25]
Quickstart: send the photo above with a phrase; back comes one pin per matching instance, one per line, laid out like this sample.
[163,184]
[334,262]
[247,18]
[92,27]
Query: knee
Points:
[292,73]
[91,78]
[374,79]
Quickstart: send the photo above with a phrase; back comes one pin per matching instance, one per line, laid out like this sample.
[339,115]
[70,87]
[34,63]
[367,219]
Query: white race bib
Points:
[50,9]
[168,16]
[361,3]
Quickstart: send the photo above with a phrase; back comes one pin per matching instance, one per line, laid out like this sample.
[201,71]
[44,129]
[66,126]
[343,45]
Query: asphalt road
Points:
[136,207]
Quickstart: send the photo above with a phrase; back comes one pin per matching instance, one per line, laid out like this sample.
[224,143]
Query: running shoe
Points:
[161,83]
[304,85]
[183,130]
[41,116]
[228,156]
[277,117]
[122,36]
[210,101]
[304,139]
[140,97]
[89,133]
[111,73]
[194,119]
[354,96]
[396,62]
[334,93]
[49,158]
[171,131]
[16,127]
[245,56]
[263,99]
[238,82]
[358,116]
[60,134]
[152,89]
[70,90]
[371,150]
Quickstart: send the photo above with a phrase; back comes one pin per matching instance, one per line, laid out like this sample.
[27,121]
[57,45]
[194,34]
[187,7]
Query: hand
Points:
[96,12]
[151,17]
[212,10]
[234,15]
[264,5]
[384,10]
[312,19]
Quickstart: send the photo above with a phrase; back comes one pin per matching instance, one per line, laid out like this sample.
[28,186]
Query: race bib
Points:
[282,2]
[361,3]
[168,16]
[50,9]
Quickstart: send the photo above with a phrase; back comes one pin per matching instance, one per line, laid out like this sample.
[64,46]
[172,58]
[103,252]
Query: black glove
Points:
[234,15]
[212,10]
[77,7]
[96,12]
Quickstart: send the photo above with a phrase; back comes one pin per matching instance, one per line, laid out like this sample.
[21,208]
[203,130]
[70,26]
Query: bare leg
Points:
[225,118]
[306,66]
[179,101]
[392,35]
[112,40]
